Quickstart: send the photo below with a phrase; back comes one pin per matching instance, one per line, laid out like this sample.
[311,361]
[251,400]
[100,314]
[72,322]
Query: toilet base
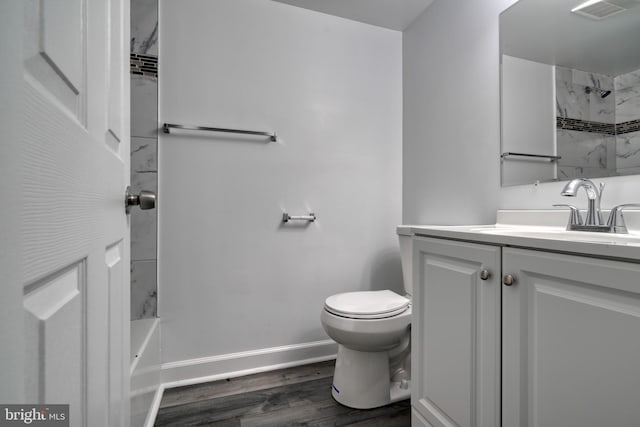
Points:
[362,380]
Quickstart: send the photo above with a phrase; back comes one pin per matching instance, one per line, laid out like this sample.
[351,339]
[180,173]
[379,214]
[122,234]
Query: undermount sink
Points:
[519,230]
[556,233]
[544,230]
[504,228]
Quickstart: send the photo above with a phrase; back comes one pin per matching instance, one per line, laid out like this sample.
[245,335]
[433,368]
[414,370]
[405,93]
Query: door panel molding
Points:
[115,111]
[55,337]
[116,326]
[55,51]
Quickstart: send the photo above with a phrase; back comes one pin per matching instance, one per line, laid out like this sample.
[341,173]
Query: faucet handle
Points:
[616,220]
[574,217]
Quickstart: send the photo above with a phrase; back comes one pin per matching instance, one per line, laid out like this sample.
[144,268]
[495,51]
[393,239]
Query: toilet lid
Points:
[367,305]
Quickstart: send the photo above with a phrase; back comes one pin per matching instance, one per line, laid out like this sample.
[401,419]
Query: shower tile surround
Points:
[585,124]
[597,136]
[627,91]
[144,164]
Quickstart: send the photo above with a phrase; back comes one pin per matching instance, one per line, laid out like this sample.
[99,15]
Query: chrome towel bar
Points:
[538,156]
[166,128]
[286,217]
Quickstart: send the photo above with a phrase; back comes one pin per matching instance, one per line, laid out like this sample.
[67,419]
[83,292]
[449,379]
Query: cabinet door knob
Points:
[508,280]
[485,274]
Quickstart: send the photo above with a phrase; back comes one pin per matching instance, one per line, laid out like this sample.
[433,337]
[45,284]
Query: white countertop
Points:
[545,230]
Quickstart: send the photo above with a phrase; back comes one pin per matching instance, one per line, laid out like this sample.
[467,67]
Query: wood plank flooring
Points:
[299,396]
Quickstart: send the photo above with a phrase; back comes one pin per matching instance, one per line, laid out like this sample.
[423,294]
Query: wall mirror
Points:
[570,90]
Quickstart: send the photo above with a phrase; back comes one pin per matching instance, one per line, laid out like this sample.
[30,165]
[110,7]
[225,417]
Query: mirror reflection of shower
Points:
[603,93]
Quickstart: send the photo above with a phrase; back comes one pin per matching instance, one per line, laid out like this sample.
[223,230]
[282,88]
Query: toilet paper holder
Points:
[286,217]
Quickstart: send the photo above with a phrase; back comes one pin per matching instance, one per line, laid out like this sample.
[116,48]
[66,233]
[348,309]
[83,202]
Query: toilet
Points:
[373,332]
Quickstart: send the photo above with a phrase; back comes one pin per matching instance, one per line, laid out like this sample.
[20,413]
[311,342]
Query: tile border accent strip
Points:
[628,127]
[597,127]
[144,65]
[585,126]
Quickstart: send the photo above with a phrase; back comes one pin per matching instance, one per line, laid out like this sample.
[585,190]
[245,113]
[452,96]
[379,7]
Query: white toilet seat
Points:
[367,305]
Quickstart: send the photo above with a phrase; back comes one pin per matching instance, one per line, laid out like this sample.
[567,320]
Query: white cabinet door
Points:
[571,341]
[65,305]
[456,333]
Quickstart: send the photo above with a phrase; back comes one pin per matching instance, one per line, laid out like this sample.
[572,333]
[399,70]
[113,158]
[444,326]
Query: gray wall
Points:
[232,277]
[451,168]
[451,114]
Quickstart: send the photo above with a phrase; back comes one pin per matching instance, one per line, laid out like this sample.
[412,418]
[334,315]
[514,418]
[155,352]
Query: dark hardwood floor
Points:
[299,396]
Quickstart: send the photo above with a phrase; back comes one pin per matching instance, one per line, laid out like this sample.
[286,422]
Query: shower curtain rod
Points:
[166,128]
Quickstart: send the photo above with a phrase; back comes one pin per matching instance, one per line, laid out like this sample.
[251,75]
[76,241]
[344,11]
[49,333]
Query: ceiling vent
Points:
[598,9]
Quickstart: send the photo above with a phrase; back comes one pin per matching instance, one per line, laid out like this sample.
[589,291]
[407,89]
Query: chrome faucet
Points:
[594,215]
[615,223]
[616,220]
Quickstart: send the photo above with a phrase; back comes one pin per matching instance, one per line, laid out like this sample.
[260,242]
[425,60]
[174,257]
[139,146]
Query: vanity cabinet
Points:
[570,341]
[455,334]
[559,347]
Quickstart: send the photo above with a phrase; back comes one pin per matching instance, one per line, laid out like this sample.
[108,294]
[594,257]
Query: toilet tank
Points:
[406,257]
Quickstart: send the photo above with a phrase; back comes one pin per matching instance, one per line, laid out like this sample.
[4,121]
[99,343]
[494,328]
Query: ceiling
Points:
[392,14]
[546,31]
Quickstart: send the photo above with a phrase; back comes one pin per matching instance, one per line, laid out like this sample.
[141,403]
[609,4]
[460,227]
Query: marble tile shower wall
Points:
[597,136]
[585,125]
[144,164]
[627,90]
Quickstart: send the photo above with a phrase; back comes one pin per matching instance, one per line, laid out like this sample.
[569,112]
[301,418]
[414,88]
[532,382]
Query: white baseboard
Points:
[205,369]
[145,379]
[155,406]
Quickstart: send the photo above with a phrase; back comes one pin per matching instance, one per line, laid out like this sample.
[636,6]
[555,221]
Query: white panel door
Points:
[69,299]
[571,341]
[456,333]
